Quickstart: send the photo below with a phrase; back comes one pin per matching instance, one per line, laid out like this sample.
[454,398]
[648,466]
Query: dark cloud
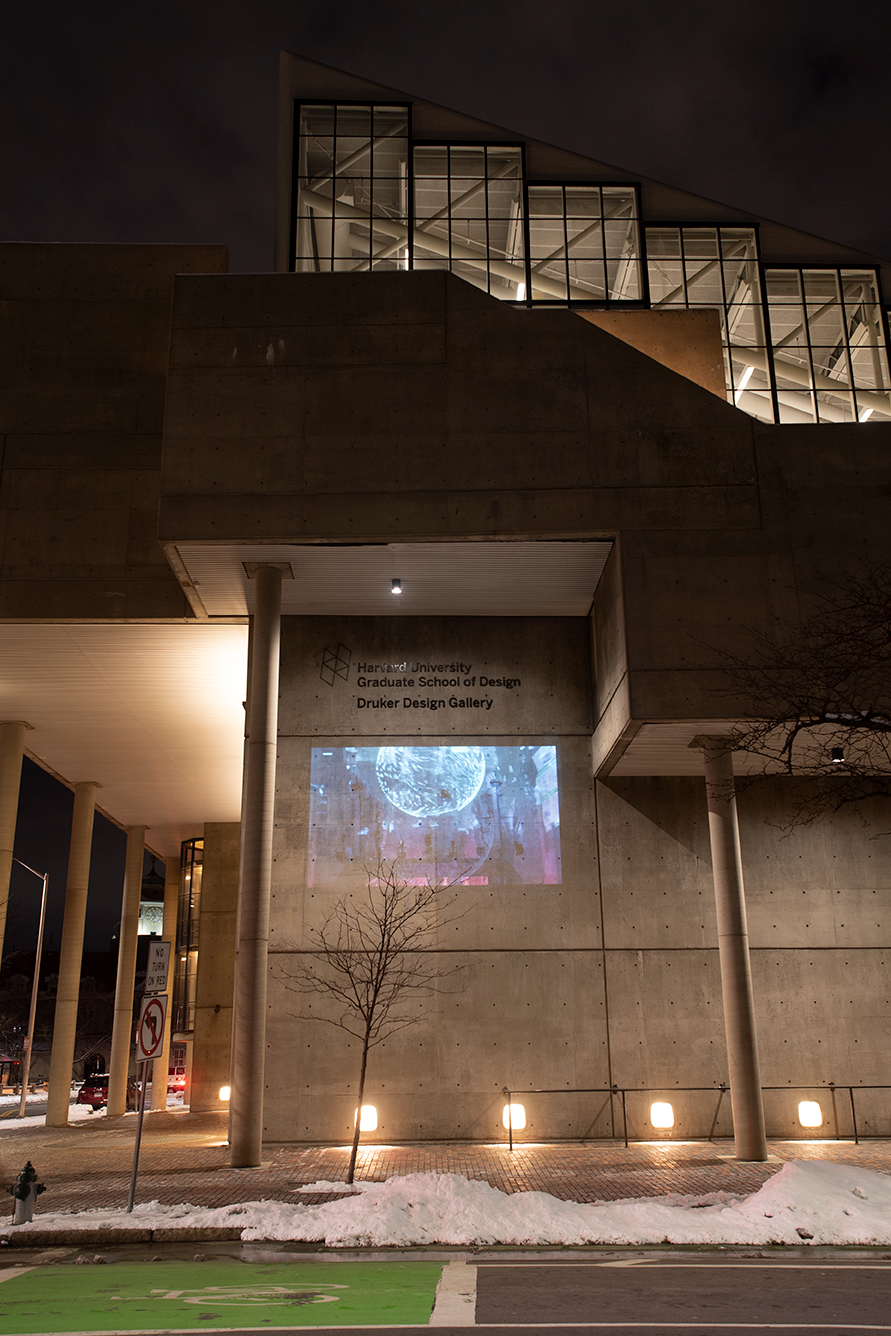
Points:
[157,122]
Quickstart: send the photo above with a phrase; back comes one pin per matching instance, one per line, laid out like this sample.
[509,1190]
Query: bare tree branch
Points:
[374,959]
[820,700]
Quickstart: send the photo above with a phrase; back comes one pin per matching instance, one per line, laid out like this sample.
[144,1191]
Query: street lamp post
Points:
[29,1038]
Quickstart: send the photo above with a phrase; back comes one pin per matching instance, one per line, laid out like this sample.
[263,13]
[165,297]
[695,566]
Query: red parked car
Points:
[94,1092]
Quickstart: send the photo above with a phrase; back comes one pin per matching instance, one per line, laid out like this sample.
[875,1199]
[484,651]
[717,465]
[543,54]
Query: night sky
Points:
[157,122]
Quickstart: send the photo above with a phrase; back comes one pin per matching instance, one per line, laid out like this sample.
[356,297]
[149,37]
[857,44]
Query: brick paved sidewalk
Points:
[185,1159]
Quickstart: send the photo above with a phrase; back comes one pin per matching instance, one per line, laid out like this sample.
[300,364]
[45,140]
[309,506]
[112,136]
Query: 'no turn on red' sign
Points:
[150,1030]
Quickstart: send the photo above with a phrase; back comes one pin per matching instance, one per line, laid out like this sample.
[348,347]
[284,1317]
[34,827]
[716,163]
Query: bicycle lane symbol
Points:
[247,1295]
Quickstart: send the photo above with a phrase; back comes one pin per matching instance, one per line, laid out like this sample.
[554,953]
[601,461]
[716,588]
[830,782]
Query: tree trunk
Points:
[352,1170]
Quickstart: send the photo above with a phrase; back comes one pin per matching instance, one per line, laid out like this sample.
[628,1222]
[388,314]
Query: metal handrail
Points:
[721,1090]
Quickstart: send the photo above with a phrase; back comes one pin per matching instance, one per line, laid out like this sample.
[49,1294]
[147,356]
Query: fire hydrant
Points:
[25,1190]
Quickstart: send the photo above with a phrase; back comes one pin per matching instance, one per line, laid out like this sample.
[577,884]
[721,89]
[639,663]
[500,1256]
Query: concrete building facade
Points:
[599,432]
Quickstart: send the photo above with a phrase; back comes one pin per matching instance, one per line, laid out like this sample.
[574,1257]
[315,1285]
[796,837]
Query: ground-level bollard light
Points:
[25,1190]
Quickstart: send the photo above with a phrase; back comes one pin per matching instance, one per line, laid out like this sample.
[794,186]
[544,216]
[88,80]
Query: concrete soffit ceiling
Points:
[478,579]
[152,712]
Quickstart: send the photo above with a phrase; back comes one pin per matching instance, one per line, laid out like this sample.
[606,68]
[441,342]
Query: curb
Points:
[48,1238]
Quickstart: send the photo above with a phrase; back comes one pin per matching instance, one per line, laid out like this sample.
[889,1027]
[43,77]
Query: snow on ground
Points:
[77,1113]
[806,1201]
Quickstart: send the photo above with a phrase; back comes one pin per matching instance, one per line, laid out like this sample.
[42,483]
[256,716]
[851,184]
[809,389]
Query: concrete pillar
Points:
[215,982]
[122,1033]
[246,1121]
[12,749]
[733,946]
[161,1065]
[71,956]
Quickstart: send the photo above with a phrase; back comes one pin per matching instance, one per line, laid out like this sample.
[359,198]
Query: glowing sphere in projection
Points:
[430,781]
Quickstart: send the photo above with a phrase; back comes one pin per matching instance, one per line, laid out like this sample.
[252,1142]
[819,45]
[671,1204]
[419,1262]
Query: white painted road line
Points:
[759,1264]
[455,1304]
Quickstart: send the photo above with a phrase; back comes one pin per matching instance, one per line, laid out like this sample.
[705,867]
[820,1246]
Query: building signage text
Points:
[465,688]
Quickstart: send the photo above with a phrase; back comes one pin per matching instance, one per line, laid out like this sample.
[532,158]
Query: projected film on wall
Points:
[473,816]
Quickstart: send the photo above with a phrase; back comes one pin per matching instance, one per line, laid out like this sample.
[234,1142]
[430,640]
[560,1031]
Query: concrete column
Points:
[161,1065]
[12,749]
[249,1030]
[733,946]
[122,1033]
[214,985]
[71,956]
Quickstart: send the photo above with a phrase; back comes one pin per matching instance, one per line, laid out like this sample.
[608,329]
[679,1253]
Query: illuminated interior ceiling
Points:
[153,712]
[487,579]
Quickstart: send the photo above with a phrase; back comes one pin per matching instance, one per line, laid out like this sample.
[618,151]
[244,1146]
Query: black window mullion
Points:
[371,190]
[815,408]
[409,190]
[768,338]
[566,245]
[607,290]
[295,187]
[527,231]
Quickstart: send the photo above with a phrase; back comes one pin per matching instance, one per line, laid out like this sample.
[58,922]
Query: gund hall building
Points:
[421,549]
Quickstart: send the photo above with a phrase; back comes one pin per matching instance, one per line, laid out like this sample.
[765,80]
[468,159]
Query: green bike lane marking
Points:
[186,1296]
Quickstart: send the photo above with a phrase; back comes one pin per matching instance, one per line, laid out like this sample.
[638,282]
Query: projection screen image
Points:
[472,816]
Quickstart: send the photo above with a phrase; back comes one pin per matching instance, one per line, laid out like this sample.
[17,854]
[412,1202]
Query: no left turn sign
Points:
[150,1030]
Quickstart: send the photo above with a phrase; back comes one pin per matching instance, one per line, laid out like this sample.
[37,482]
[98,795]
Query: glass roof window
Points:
[717,267]
[351,197]
[829,352]
[584,244]
[800,344]
[468,215]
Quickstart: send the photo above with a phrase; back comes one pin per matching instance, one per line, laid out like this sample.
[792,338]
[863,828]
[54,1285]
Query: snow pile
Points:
[810,1202]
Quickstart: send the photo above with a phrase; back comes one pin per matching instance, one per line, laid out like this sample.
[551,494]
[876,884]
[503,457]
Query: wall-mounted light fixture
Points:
[225,1092]
[661,1115]
[837,755]
[395,586]
[513,1115]
[367,1118]
[810,1114]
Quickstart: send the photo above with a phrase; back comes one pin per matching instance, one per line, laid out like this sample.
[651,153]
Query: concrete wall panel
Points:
[212,1043]
[84,342]
[665,1017]
[823,1016]
[545,660]
[655,868]
[531,1019]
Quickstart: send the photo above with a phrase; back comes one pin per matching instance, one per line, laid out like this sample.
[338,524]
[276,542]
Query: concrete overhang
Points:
[666,747]
[460,579]
[154,711]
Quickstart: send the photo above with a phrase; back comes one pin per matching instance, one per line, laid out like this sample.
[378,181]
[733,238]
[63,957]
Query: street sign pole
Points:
[149,1039]
[146,1071]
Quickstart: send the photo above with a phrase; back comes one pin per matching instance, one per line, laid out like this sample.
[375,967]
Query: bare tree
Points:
[373,959]
[820,700]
